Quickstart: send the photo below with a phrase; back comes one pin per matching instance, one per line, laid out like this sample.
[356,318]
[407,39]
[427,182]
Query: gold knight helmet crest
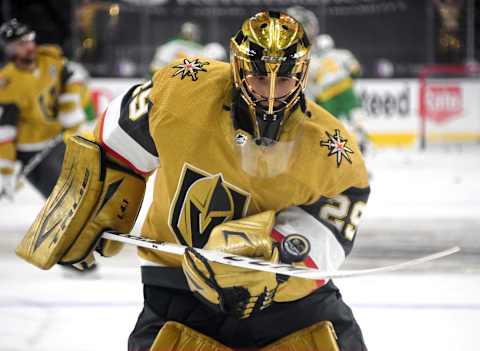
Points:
[202,202]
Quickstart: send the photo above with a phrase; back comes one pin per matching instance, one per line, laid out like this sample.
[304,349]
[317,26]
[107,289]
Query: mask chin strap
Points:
[240,113]
[268,126]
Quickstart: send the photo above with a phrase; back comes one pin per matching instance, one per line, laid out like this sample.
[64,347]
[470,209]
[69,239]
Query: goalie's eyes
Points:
[260,84]
[281,79]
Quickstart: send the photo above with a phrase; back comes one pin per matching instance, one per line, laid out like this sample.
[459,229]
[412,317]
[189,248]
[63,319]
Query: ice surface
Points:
[421,202]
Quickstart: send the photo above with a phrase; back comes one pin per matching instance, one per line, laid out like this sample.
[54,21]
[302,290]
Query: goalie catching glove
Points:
[237,291]
[92,194]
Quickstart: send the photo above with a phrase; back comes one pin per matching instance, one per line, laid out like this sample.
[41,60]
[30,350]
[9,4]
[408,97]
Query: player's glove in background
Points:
[8,182]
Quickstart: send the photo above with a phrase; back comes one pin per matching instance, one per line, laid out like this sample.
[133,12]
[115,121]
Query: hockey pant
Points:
[280,319]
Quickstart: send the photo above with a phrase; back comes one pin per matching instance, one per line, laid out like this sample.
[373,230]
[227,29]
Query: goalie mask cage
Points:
[449,105]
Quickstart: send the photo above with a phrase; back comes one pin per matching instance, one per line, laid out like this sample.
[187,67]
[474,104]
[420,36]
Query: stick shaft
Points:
[262,265]
[39,157]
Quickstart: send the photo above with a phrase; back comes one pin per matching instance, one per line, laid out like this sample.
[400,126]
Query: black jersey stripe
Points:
[138,129]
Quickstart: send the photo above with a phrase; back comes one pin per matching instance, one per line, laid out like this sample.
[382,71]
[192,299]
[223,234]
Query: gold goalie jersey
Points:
[180,125]
[37,105]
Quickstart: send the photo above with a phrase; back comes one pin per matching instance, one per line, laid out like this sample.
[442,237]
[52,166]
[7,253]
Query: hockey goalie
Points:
[243,160]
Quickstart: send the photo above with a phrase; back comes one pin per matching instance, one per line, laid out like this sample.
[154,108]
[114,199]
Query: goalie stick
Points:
[262,265]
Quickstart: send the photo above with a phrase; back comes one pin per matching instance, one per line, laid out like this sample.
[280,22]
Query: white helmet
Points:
[307,18]
[324,43]
[215,51]
[190,31]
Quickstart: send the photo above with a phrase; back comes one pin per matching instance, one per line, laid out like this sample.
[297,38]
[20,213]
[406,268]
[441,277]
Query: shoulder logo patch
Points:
[190,68]
[337,146]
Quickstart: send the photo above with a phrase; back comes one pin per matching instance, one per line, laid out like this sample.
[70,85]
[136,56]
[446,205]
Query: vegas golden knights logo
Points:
[203,201]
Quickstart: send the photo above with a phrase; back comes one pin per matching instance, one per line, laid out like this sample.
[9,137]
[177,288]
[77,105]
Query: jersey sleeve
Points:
[352,64]
[330,225]
[9,116]
[73,95]
[124,130]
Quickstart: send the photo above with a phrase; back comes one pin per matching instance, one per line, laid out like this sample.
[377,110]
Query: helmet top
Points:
[324,43]
[273,34]
[13,30]
[190,31]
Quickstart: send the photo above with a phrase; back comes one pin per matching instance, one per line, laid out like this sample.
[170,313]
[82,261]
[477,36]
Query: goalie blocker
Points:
[92,194]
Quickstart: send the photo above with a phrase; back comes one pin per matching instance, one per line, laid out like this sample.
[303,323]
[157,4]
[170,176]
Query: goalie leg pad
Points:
[318,337]
[91,195]
[175,336]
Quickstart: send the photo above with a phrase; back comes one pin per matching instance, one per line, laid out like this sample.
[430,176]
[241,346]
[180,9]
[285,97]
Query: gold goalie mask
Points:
[269,58]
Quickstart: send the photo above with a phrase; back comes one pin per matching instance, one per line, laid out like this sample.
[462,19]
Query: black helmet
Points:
[13,30]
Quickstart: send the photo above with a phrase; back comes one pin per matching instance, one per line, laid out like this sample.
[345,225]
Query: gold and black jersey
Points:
[180,126]
[37,105]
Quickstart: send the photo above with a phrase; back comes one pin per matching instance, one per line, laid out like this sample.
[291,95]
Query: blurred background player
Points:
[332,72]
[43,99]
[42,96]
[332,84]
[333,77]
[82,79]
[310,22]
[215,51]
[185,45]
[308,19]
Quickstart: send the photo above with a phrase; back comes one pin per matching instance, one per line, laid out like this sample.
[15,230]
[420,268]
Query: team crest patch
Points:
[190,68]
[203,201]
[337,146]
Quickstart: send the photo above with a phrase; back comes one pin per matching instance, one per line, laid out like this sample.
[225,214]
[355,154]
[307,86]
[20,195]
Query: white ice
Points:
[420,202]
